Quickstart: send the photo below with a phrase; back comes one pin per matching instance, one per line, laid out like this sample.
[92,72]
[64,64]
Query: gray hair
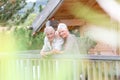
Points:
[48,29]
[62,26]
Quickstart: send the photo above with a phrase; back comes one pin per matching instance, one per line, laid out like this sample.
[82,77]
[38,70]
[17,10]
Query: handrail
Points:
[35,54]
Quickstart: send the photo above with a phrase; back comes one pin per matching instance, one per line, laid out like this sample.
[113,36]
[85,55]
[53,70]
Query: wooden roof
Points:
[63,12]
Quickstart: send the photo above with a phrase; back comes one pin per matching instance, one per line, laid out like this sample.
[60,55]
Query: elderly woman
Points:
[52,42]
[70,41]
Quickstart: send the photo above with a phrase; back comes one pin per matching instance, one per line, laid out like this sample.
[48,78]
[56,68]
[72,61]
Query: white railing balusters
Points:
[60,67]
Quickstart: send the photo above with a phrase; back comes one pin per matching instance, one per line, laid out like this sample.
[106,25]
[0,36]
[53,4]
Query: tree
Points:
[40,8]
[10,11]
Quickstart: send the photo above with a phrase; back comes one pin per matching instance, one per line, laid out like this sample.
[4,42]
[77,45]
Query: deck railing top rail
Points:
[34,54]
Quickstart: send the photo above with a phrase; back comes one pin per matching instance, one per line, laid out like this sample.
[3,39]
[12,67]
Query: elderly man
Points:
[70,41]
[52,43]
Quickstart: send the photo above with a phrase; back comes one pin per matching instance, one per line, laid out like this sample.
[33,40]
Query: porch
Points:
[30,66]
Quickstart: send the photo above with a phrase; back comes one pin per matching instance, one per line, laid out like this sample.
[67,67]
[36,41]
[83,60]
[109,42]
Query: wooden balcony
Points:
[28,66]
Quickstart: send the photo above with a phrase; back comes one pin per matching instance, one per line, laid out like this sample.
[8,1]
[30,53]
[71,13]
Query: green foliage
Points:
[24,17]
[22,35]
[25,41]
[9,11]
[40,8]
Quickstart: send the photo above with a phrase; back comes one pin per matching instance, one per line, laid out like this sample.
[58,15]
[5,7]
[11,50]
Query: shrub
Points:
[25,41]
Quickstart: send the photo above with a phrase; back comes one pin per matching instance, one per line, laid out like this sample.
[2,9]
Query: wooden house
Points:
[62,11]
[69,12]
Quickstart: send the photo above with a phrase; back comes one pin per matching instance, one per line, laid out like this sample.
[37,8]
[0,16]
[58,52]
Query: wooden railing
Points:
[29,65]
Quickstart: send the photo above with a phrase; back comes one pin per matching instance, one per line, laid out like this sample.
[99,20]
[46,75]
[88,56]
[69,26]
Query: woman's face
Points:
[63,33]
[50,35]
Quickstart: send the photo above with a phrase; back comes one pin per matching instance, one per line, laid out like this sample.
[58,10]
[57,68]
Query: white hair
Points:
[49,29]
[62,26]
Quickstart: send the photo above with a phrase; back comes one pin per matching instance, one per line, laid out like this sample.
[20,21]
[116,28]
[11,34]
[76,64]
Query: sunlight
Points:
[101,27]
[112,7]
[7,42]
[7,48]
[103,35]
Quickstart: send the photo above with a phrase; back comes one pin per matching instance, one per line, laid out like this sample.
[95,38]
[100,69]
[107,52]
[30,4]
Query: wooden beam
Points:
[73,22]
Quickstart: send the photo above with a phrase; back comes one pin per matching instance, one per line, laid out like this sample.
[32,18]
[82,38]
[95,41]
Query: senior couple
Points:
[59,41]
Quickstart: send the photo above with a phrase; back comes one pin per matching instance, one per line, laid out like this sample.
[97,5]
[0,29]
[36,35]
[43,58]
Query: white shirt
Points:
[56,44]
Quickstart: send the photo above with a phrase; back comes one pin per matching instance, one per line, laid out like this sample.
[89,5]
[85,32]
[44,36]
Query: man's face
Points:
[50,35]
[63,33]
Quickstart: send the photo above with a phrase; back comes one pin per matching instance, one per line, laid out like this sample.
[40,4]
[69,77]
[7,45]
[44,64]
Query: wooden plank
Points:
[73,22]
[65,10]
